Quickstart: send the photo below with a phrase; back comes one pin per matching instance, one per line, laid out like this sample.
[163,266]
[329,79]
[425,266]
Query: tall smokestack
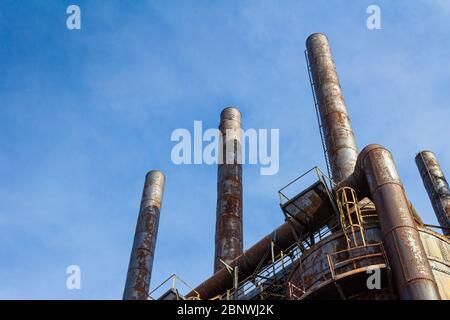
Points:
[340,143]
[437,187]
[229,238]
[141,260]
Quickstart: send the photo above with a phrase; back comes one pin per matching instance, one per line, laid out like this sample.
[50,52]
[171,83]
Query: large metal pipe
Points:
[341,148]
[141,260]
[437,187]
[229,237]
[375,172]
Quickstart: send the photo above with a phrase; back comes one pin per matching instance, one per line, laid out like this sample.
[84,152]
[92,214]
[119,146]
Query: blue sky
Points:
[84,114]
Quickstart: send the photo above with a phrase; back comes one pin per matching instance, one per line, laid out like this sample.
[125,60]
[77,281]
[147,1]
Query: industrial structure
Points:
[229,237]
[352,222]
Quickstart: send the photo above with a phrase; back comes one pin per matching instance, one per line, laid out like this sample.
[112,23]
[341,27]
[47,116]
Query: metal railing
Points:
[265,277]
[326,181]
[336,267]
[174,279]
[322,177]
[355,260]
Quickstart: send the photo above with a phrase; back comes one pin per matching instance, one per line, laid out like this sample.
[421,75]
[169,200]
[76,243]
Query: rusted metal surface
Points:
[375,171]
[229,236]
[437,248]
[437,187]
[330,260]
[312,205]
[141,260]
[310,198]
[337,131]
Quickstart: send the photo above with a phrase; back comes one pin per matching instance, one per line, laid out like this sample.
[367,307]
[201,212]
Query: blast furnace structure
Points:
[352,221]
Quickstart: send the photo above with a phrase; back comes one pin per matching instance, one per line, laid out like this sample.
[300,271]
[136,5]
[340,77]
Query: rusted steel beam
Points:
[340,142]
[375,172]
[229,235]
[141,260]
[437,187]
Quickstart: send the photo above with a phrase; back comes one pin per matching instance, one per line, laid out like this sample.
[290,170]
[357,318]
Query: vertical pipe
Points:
[229,238]
[340,143]
[412,272]
[437,187]
[141,260]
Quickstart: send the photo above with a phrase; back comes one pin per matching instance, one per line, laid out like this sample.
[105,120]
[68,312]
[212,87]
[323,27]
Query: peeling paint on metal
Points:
[142,254]
[338,134]
[229,233]
[437,187]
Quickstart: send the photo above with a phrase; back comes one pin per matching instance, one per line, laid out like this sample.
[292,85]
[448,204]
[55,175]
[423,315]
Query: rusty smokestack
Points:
[375,172]
[141,260]
[229,238]
[337,133]
[437,187]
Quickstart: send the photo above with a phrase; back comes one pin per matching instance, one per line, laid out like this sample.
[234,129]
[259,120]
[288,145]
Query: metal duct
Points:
[340,145]
[437,187]
[229,237]
[375,172]
[141,260]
